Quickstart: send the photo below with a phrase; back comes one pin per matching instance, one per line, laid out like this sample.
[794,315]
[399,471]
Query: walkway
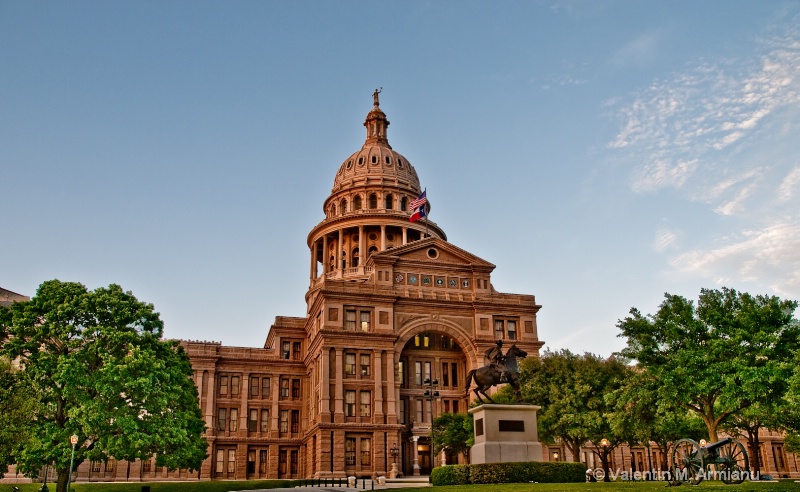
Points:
[362,485]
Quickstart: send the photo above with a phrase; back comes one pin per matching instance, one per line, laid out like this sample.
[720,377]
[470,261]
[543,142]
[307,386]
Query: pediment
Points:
[432,251]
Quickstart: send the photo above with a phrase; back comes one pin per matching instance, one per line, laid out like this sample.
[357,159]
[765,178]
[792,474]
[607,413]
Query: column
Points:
[339,250]
[415,454]
[325,383]
[362,254]
[391,391]
[338,402]
[383,237]
[377,363]
[405,235]
[211,401]
[313,271]
[325,253]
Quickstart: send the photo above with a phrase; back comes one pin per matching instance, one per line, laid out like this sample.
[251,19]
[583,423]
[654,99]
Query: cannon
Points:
[691,462]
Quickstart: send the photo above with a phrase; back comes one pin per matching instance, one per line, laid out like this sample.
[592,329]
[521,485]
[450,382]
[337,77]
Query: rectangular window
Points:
[234,425]
[420,413]
[222,418]
[96,466]
[403,405]
[252,422]
[284,388]
[350,364]
[283,462]
[428,411]
[426,340]
[427,374]
[366,404]
[251,461]
[365,316]
[262,462]
[446,406]
[350,451]
[349,403]
[231,462]
[220,462]
[364,365]
[295,421]
[296,351]
[284,422]
[110,465]
[286,351]
[254,386]
[418,372]
[454,374]
[295,388]
[293,461]
[223,386]
[350,320]
[265,387]
[366,451]
[264,420]
[445,374]
[455,406]
[499,332]
[416,340]
[511,328]
[401,373]
[234,385]
[146,465]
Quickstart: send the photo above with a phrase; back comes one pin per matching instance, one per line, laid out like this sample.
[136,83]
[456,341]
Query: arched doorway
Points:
[432,371]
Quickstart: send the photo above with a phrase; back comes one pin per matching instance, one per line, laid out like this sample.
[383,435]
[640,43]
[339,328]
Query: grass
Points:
[226,486]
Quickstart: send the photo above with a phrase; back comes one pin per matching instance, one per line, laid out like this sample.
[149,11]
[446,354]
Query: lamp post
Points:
[555,455]
[432,394]
[604,443]
[394,452]
[74,441]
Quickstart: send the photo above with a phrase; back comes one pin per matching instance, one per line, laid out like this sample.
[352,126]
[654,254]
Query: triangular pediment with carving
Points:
[432,251]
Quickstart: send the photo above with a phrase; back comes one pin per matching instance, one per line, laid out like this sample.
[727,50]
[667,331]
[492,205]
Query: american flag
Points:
[420,201]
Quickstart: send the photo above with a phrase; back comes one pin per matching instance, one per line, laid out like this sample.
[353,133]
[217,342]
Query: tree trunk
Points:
[756,457]
[61,479]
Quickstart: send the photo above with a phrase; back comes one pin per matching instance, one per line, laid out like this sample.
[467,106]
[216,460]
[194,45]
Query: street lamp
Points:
[555,455]
[604,443]
[74,441]
[431,394]
[395,453]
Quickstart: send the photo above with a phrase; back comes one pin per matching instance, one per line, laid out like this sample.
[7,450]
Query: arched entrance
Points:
[432,369]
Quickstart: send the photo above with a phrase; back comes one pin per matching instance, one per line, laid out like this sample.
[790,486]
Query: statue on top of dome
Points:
[375,96]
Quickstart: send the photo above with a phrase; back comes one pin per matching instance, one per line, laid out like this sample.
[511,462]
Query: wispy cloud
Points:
[768,256]
[665,239]
[789,184]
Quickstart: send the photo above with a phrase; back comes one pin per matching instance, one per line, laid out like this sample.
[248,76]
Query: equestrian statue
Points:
[502,368]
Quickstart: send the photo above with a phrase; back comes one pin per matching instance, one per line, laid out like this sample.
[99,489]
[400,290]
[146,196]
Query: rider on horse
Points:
[496,358]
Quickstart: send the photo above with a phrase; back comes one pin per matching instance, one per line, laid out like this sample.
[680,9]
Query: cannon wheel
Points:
[734,464]
[687,462]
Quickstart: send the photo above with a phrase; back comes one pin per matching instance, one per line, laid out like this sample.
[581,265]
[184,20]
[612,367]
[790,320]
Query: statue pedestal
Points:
[505,433]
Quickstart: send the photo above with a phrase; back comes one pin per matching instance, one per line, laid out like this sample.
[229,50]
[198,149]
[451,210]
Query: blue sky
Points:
[600,153]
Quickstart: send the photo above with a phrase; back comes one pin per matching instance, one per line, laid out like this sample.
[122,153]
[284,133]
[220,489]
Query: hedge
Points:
[522,472]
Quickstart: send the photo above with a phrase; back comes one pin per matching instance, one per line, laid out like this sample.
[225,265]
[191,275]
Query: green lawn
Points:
[227,486]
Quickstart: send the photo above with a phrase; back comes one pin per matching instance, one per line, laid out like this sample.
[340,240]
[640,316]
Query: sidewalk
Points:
[362,485]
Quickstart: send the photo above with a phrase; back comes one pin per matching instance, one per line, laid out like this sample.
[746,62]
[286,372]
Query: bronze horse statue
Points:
[507,371]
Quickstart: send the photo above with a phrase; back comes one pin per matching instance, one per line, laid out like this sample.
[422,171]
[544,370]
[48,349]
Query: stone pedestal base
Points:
[505,433]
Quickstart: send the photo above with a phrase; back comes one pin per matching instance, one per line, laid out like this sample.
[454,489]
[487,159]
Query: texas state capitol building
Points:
[331,393]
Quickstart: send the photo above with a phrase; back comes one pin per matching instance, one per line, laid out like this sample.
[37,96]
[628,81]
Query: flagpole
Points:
[426,211]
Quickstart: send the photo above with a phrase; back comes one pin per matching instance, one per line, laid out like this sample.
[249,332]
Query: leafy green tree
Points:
[571,390]
[453,432]
[639,413]
[16,407]
[100,370]
[731,352]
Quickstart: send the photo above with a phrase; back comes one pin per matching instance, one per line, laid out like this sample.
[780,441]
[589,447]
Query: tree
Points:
[16,407]
[731,352]
[571,390]
[453,432]
[638,412]
[100,370]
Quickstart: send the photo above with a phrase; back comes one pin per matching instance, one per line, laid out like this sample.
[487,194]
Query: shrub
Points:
[450,475]
[522,472]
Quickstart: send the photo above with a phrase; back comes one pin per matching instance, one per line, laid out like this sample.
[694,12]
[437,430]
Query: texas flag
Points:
[420,213]
[419,206]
